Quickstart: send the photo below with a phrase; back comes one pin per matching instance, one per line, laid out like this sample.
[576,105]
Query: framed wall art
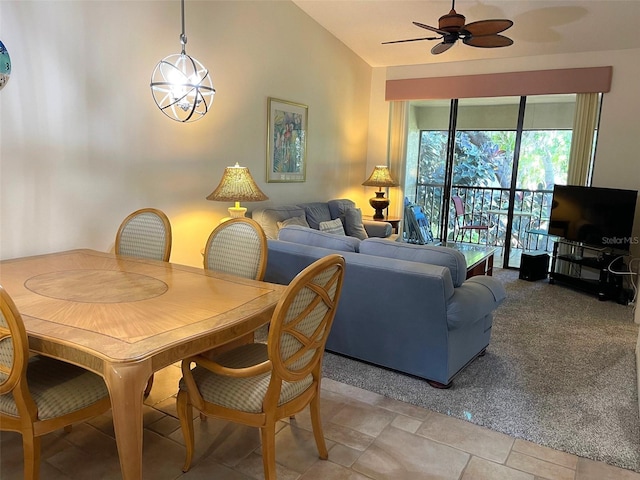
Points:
[286,141]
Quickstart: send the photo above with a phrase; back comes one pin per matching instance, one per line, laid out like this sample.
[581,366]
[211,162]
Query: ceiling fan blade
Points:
[487,27]
[412,40]
[441,47]
[488,41]
[433,29]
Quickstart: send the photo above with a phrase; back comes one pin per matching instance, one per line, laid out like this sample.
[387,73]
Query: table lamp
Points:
[237,185]
[380,177]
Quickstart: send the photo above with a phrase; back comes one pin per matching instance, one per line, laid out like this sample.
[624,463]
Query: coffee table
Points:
[479,259]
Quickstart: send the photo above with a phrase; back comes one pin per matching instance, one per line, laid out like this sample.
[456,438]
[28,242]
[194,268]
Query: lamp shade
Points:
[380,177]
[237,185]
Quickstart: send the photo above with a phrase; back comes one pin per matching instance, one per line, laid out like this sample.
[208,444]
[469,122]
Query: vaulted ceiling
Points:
[541,27]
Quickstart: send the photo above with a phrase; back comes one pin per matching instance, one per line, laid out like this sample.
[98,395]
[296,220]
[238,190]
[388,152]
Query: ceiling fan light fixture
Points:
[452,22]
[452,27]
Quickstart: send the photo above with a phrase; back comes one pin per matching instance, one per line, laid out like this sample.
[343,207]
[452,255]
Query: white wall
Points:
[83,144]
[617,158]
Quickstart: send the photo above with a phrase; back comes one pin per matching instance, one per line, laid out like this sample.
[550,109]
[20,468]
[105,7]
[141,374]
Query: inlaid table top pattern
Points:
[125,318]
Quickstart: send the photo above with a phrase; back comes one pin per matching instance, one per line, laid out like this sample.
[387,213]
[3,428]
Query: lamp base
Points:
[379,203]
[237,212]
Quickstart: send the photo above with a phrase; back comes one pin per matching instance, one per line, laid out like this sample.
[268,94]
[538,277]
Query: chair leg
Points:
[147,389]
[268,434]
[185,414]
[316,423]
[31,453]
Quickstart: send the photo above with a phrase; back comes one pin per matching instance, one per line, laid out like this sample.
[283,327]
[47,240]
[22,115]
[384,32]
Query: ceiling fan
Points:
[451,27]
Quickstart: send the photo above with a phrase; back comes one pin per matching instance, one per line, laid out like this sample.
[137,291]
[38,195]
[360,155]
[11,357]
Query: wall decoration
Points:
[286,141]
[5,65]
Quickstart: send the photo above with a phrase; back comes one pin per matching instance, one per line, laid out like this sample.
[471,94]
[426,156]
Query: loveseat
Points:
[405,307]
[314,214]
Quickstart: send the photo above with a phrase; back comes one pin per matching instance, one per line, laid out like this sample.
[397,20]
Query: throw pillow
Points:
[353,223]
[301,221]
[332,226]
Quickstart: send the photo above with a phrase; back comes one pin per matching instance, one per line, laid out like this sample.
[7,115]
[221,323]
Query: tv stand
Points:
[586,268]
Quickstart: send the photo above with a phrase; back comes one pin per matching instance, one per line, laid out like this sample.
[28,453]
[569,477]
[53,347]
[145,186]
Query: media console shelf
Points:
[586,268]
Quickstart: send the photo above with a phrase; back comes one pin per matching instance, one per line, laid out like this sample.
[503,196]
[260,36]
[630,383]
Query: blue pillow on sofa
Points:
[316,238]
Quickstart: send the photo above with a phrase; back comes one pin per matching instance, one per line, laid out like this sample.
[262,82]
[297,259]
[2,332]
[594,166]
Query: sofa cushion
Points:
[332,226]
[300,221]
[338,206]
[316,238]
[316,212]
[269,217]
[434,255]
[353,223]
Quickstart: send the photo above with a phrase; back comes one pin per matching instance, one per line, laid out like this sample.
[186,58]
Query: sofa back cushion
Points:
[316,238]
[338,206]
[269,217]
[434,255]
[300,221]
[316,213]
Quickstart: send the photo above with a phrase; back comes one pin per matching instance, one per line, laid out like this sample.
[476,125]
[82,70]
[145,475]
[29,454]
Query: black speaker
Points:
[534,266]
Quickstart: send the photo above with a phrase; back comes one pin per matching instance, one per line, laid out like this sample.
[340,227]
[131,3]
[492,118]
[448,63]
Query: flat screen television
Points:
[595,216]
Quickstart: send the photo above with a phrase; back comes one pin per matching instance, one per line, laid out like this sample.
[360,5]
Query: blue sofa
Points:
[405,307]
[313,213]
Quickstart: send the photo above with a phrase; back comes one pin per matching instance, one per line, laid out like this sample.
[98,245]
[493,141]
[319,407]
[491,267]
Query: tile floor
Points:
[368,436]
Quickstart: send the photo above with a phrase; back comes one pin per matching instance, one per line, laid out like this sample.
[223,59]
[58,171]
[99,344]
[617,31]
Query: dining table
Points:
[125,318]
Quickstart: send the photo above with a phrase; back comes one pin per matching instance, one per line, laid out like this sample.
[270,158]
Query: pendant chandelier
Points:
[181,86]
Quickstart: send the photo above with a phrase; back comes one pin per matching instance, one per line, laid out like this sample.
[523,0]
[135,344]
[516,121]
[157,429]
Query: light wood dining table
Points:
[125,318]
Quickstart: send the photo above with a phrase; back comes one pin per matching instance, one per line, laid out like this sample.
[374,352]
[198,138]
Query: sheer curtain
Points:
[584,124]
[397,154]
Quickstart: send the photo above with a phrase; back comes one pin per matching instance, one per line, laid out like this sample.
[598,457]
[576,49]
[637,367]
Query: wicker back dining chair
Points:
[145,233]
[258,384]
[38,394]
[238,247]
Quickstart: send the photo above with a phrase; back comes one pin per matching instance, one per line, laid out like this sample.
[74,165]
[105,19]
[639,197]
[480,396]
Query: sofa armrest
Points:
[377,229]
[473,300]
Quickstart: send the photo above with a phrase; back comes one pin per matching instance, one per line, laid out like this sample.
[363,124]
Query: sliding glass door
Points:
[501,156]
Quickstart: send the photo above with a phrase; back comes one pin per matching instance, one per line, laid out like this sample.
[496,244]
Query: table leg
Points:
[126,384]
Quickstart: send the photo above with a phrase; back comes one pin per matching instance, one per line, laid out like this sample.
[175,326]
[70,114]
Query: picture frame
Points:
[286,141]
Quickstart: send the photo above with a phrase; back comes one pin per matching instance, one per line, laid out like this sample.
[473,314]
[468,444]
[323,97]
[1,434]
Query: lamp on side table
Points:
[237,185]
[380,177]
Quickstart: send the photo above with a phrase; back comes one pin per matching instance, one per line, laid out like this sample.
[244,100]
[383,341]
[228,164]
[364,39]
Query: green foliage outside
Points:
[484,160]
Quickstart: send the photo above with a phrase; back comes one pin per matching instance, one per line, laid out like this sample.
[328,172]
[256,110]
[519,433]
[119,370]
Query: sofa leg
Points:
[439,385]
[481,354]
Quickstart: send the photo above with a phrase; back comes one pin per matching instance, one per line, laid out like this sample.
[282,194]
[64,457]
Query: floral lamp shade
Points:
[5,65]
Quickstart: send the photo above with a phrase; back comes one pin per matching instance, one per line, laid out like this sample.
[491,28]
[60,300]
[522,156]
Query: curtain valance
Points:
[536,82]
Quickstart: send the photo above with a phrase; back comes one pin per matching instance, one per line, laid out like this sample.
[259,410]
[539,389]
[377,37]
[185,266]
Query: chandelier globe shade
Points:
[181,86]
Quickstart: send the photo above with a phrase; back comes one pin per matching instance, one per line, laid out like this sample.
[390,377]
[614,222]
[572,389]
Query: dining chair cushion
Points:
[242,240]
[144,237]
[57,388]
[245,394]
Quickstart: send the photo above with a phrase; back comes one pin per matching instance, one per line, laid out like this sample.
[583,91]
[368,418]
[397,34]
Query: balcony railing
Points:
[532,208]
